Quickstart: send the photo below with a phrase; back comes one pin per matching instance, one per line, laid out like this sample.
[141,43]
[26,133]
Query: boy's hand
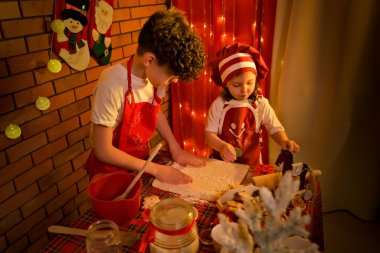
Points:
[184,158]
[292,146]
[170,175]
[228,153]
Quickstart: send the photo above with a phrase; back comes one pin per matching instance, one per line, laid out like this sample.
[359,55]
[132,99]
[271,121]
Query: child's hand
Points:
[292,146]
[184,158]
[228,153]
[170,175]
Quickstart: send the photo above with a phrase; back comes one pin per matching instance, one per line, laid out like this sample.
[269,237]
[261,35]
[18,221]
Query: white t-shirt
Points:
[109,95]
[264,115]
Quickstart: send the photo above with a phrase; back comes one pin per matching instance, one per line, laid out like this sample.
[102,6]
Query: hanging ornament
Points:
[54,65]
[12,131]
[42,103]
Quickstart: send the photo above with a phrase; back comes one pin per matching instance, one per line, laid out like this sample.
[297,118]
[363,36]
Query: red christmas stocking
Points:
[70,37]
[100,30]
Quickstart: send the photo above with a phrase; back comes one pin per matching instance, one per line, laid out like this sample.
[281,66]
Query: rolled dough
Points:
[209,182]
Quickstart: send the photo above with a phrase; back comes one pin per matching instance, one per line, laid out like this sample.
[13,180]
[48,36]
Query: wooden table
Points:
[207,214]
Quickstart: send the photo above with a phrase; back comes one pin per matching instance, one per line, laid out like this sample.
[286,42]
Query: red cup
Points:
[103,188]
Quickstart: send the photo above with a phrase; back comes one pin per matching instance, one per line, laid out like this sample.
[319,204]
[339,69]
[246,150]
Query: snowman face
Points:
[74,26]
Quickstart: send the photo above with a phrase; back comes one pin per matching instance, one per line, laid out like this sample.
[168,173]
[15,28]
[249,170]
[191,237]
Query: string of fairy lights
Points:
[195,107]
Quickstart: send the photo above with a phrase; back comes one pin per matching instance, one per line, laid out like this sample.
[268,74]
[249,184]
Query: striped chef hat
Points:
[234,59]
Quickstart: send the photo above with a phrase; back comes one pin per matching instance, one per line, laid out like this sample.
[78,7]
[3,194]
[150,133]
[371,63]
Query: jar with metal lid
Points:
[103,237]
[173,222]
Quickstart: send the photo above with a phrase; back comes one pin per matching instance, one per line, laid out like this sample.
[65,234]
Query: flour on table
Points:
[209,182]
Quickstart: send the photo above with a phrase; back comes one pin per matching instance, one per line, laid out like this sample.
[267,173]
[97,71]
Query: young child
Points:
[126,107]
[235,119]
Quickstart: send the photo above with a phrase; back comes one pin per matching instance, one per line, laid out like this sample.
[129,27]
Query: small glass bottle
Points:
[175,230]
[103,237]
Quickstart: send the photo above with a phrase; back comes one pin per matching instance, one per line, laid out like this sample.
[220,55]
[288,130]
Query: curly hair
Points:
[169,36]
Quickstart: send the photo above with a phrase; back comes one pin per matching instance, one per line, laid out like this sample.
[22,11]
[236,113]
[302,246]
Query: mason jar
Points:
[103,237]
[173,222]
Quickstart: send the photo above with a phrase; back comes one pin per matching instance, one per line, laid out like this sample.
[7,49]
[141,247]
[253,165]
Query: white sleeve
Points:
[269,118]
[108,103]
[214,115]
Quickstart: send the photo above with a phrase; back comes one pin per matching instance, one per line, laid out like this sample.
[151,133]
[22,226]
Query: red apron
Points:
[238,127]
[133,133]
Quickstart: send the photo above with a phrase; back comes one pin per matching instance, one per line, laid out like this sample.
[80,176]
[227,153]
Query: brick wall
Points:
[42,181]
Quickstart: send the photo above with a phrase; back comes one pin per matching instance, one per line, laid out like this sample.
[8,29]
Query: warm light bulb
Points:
[191,25]
[233,38]
[204,25]
[192,113]
[12,131]
[262,40]
[180,106]
[54,66]
[205,72]
[210,34]
[42,103]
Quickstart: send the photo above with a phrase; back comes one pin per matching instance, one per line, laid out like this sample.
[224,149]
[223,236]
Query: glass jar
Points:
[103,236]
[173,221]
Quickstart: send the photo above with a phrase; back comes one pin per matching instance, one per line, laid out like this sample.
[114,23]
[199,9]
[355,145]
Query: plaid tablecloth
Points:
[207,214]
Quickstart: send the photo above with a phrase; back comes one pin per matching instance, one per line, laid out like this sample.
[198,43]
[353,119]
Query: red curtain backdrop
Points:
[219,23]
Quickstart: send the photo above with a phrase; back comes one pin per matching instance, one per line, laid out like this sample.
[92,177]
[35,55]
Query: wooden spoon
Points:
[126,238]
[130,187]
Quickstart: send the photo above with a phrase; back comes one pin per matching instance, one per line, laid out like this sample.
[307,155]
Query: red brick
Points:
[18,200]
[70,218]
[61,199]
[38,245]
[117,54]
[74,109]
[71,179]
[94,73]
[12,47]
[129,50]
[85,90]
[147,2]
[61,100]
[49,150]
[79,134]
[6,190]
[43,75]
[12,170]
[135,36]
[9,10]
[39,201]
[88,143]
[115,29]
[19,246]
[80,160]
[41,228]
[85,118]
[25,147]
[37,8]
[19,117]
[121,40]
[83,207]
[129,3]
[10,221]
[81,197]
[3,243]
[68,154]
[33,175]
[63,128]
[158,7]
[15,83]
[130,25]
[121,14]
[23,228]
[40,124]
[3,159]
[6,104]
[3,69]
[38,42]
[27,62]
[22,27]
[30,95]
[83,184]
[70,82]
[55,176]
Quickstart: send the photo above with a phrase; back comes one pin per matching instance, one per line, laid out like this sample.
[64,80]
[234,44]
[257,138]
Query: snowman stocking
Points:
[70,37]
[100,30]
